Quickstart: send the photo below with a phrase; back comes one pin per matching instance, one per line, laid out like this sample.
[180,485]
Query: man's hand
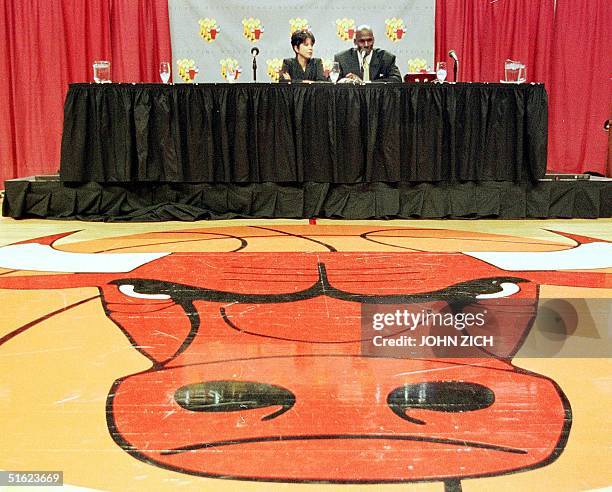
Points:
[353,77]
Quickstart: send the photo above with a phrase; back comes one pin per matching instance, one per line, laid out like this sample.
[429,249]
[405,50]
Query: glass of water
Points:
[441,71]
[164,71]
[334,73]
[514,72]
[101,71]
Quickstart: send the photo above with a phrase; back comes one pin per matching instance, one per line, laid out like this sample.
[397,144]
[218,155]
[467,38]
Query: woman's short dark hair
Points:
[299,37]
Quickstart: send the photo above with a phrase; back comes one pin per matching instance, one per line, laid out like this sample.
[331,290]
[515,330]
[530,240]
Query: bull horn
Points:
[578,239]
[43,258]
[583,257]
[50,240]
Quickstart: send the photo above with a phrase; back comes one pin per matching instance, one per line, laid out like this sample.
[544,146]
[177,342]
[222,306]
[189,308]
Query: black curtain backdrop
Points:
[283,133]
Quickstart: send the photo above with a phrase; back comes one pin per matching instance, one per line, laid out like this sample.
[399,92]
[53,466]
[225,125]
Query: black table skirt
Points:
[253,133]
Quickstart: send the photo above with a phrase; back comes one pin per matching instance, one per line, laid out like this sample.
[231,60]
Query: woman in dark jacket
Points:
[302,68]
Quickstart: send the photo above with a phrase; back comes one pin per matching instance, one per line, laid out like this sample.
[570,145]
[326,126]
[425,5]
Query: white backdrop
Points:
[415,40]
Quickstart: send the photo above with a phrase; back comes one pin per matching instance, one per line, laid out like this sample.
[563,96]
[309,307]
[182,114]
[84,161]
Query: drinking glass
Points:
[441,71]
[101,71]
[164,71]
[514,72]
[334,73]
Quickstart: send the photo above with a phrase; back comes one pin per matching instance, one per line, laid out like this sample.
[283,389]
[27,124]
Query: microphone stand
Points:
[455,58]
[255,52]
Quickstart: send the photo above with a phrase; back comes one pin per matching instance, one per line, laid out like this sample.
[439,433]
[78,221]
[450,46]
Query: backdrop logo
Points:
[187,69]
[252,29]
[345,28]
[230,69]
[209,29]
[298,24]
[274,67]
[328,63]
[416,65]
[395,29]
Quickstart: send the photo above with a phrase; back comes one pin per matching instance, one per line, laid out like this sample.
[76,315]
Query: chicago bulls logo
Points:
[252,29]
[345,28]
[187,70]
[298,24]
[328,64]
[209,29]
[230,70]
[416,65]
[274,67]
[395,29]
[257,370]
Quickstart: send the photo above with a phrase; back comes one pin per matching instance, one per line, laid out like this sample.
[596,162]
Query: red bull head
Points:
[257,370]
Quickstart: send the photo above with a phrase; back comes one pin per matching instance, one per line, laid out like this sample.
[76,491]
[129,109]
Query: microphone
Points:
[455,58]
[254,52]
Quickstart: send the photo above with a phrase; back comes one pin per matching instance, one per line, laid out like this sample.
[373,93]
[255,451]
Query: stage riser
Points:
[187,202]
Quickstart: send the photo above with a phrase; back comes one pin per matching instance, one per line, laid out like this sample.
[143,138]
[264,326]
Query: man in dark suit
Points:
[366,63]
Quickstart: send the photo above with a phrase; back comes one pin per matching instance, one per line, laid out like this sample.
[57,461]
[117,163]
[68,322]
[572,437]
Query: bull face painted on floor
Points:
[257,365]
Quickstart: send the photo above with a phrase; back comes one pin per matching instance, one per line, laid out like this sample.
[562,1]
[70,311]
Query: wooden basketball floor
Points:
[230,356]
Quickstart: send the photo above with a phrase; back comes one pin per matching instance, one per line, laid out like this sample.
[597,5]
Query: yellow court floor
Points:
[243,355]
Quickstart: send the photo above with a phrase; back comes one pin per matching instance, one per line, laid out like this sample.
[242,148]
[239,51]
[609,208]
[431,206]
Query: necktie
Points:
[366,70]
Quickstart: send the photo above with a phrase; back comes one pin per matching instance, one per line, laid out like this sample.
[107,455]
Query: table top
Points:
[374,85]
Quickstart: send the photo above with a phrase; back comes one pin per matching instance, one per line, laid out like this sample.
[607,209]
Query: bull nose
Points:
[233,396]
[439,396]
[332,417]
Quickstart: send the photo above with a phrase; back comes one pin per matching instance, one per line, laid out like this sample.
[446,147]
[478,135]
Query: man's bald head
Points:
[364,39]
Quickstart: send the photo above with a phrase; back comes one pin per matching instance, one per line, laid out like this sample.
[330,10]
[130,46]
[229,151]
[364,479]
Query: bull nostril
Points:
[234,396]
[439,396]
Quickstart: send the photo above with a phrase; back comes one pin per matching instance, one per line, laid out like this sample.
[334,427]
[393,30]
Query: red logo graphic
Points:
[395,29]
[256,369]
[252,29]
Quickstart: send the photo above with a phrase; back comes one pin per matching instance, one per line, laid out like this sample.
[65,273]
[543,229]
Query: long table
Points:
[298,133]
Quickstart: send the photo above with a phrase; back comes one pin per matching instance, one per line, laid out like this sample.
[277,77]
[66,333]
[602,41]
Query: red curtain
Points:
[567,49]
[485,33]
[140,39]
[580,95]
[47,44]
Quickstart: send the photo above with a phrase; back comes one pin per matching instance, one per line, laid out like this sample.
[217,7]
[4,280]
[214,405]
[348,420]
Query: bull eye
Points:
[506,289]
[141,288]
[234,396]
[130,291]
[439,396]
[482,288]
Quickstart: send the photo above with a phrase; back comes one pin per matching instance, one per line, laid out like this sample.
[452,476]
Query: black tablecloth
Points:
[251,133]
